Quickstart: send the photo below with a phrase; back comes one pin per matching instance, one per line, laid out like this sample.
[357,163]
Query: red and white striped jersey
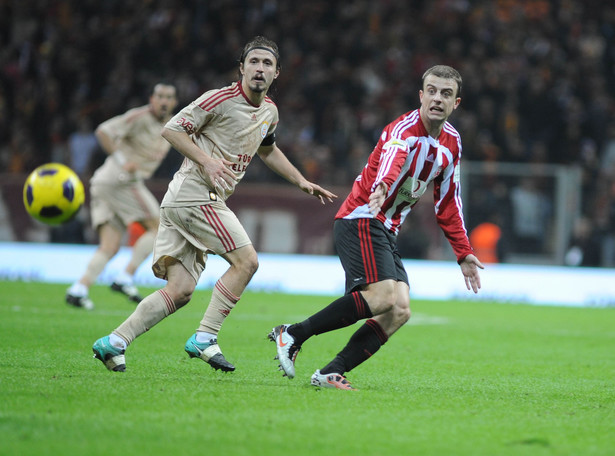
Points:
[407,159]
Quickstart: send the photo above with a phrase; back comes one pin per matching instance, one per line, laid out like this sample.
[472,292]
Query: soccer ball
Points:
[53,193]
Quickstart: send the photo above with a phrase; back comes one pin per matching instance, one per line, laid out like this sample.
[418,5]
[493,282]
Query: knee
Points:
[387,302]
[248,265]
[109,249]
[182,299]
[181,295]
[402,313]
[381,299]
[398,315]
[253,266]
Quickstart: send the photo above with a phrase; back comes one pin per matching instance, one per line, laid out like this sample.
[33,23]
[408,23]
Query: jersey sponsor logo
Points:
[457,174]
[238,168]
[243,160]
[264,129]
[394,142]
[412,189]
[186,125]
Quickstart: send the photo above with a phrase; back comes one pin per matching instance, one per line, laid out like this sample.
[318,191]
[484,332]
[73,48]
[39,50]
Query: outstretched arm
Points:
[275,159]
[469,268]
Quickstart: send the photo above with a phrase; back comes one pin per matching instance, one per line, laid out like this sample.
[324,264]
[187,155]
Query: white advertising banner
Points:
[323,275]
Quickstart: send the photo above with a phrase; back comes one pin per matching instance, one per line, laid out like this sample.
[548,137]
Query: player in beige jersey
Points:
[219,134]
[118,195]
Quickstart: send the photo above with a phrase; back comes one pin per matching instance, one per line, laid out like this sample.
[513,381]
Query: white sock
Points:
[123,278]
[202,337]
[117,341]
[78,289]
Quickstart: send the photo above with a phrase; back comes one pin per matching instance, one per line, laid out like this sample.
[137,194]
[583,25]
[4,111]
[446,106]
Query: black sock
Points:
[300,331]
[366,341]
[340,313]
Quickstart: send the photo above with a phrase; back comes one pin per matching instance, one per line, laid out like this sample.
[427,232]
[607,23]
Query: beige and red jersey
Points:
[224,124]
[137,137]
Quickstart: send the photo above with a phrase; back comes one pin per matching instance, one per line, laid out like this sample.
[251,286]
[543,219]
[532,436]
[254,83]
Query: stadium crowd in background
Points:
[541,78]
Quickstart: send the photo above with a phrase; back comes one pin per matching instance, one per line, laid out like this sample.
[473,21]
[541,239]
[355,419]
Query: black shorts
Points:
[368,252]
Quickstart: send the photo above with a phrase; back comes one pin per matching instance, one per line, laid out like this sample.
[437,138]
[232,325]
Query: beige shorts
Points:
[188,234]
[121,205]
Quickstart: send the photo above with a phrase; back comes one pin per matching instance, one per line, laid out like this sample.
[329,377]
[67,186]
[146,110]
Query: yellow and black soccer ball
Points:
[53,193]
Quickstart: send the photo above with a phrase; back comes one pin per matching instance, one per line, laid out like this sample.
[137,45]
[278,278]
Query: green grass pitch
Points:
[464,378]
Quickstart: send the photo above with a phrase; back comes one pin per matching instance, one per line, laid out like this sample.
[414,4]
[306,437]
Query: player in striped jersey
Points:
[417,149]
[218,134]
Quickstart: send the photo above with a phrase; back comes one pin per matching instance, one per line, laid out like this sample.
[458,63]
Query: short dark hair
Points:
[260,42]
[445,72]
[163,83]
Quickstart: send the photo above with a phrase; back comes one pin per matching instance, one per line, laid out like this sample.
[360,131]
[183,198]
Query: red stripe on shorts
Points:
[141,202]
[218,226]
[367,251]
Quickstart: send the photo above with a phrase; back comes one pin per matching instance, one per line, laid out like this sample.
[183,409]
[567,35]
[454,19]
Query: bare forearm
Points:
[106,142]
[279,163]
[275,159]
[182,143]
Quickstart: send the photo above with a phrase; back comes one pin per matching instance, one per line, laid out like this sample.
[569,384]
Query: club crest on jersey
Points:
[264,129]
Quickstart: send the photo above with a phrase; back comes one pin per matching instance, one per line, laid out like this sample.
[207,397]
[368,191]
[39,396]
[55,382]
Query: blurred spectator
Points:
[531,210]
[487,241]
[82,145]
[605,221]
[585,248]
[607,155]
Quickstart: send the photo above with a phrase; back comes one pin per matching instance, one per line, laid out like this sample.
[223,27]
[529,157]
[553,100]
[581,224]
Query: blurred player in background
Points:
[118,195]
[219,134]
[417,149]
